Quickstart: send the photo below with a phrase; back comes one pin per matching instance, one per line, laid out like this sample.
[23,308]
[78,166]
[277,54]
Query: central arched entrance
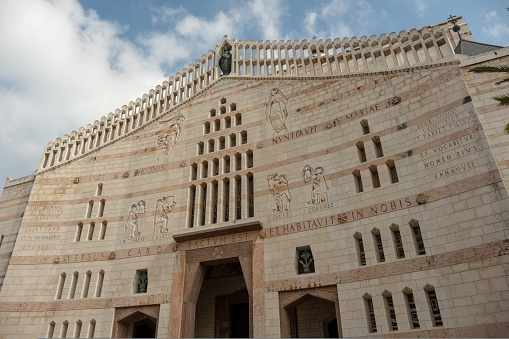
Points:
[218,299]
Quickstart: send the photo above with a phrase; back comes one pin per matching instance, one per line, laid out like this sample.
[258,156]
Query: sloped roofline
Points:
[295,59]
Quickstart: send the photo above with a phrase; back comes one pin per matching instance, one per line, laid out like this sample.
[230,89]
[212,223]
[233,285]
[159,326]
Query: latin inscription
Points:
[278,216]
[132,240]
[442,123]
[45,212]
[382,208]
[41,237]
[294,135]
[221,240]
[457,169]
[43,229]
[38,247]
[317,208]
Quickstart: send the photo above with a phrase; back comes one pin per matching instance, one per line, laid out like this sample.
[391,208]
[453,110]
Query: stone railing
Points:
[315,58]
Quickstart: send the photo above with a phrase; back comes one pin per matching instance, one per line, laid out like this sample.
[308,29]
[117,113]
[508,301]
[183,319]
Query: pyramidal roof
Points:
[258,60]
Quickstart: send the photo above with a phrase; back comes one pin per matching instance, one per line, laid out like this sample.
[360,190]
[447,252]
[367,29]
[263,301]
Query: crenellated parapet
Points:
[314,58]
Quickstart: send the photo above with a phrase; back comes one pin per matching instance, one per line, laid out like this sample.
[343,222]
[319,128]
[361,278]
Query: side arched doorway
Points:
[310,313]
[136,322]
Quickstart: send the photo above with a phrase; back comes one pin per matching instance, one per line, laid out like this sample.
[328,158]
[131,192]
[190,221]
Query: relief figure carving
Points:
[131,229]
[163,207]
[319,188]
[276,111]
[169,136]
[278,186]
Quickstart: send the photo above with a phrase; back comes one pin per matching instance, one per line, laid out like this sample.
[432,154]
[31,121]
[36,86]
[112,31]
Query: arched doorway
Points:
[310,313]
[136,322]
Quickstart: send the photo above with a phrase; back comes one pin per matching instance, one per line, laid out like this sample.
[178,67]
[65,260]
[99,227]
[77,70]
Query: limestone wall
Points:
[412,136]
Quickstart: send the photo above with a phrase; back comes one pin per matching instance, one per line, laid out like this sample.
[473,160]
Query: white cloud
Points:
[340,18]
[63,66]
[496,29]
[420,8]
[267,14]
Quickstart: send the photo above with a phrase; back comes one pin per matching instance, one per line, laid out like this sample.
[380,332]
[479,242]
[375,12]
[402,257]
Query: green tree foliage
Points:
[503,100]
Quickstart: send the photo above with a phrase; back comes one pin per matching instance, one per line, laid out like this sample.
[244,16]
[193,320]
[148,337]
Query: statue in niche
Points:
[168,137]
[225,62]
[142,282]
[278,186]
[163,207]
[276,111]
[319,188]
[131,226]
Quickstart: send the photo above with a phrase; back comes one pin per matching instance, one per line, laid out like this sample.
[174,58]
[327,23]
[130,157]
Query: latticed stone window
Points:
[227,200]
[392,171]
[412,310]
[141,281]
[378,147]
[365,126]
[238,197]
[362,152]
[215,187]
[360,249]
[374,176]
[379,247]
[391,319]
[305,261]
[370,312]
[203,203]
[416,233]
[398,241]
[250,188]
[436,317]
[358,181]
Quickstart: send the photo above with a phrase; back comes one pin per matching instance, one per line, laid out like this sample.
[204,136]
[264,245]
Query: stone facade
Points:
[355,187]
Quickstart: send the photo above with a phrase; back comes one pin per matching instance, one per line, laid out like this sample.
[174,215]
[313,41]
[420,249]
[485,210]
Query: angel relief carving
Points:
[169,136]
[319,188]
[278,186]
[276,111]
[131,229]
[163,207]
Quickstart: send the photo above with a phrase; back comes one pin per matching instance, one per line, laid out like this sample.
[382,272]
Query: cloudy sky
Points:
[66,63]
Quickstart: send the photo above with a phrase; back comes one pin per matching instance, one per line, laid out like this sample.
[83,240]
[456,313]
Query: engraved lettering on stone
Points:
[112,255]
[319,187]
[163,207]
[126,174]
[278,186]
[131,226]
[276,111]
[168,137]
[77,180]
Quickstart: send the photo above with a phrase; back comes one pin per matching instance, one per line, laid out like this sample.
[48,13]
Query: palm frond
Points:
[490,69]
[503,100]
[501,81]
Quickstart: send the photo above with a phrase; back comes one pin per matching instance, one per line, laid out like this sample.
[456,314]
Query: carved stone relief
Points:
[276,111]
[169,136]
[319,187]
[163,207]
[278,186]
[131,229]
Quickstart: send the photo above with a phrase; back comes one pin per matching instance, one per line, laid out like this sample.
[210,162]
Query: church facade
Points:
[337,188]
